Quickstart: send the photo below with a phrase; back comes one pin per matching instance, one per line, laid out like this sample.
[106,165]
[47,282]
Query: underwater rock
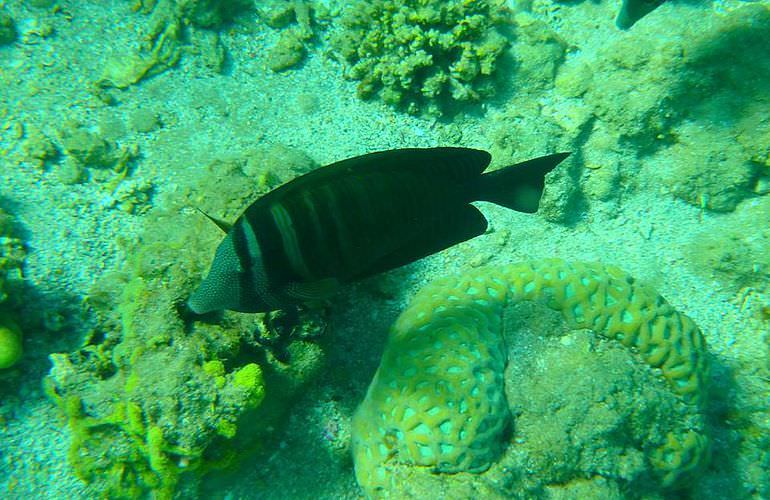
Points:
[86,147]
[143,120]
[38,148]
[298,22]
[7,29]
[644,85]
[738,253]
[707,168]
[126,69]
[287,52]
[90,156]
[172,23]
[538,51]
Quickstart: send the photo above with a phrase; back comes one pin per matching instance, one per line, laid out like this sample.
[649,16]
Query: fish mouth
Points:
[200,302]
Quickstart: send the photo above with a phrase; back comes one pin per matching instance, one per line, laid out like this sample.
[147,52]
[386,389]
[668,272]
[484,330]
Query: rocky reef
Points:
[155,399]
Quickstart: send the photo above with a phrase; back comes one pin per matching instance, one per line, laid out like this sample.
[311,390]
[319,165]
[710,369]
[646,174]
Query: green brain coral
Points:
[418,52]
[438,399]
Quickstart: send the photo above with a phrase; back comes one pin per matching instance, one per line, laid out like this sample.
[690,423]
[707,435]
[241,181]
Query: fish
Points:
[356,218]
[633,10]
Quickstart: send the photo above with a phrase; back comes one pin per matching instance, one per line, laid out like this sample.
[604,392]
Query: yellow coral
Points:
[10,342]
[437,398]
[249,379]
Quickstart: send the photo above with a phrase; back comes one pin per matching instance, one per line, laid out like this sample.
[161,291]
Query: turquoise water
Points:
[119,120]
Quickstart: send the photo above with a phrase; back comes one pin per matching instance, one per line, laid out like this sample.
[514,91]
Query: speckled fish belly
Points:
[437,399]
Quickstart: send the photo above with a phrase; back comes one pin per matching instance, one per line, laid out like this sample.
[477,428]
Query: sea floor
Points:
[73,231]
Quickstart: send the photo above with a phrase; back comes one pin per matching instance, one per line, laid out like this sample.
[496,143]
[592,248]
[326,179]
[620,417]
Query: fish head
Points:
[230,284]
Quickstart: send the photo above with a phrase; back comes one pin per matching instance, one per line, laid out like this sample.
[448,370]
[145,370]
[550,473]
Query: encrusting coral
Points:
[438,399]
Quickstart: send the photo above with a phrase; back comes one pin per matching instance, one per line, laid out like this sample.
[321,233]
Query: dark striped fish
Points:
[356,218]
[633,10]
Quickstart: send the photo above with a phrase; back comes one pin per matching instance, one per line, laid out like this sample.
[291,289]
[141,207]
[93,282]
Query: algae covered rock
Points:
[287,52]
[171,25]
[415,54]
[12,256]
[738,252]
[707,168]
[644,85]
[538,51]
[38,148]
[584,409]
[209,13]
[156,398]
[297,21]
[89,155]
[7,29]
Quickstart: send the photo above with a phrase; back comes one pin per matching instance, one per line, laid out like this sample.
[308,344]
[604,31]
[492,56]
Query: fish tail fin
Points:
[520,186]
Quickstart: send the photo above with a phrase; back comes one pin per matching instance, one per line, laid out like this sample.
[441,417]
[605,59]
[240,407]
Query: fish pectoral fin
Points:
[312,290]
[452,227]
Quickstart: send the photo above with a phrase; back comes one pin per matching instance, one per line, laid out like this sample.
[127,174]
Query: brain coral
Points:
[438,401]
[417,52]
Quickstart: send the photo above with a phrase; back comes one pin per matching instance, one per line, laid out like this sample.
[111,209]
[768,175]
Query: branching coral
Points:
[417,52]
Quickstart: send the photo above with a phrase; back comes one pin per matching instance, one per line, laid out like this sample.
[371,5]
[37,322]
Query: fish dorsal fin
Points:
[224,226]
[312,290]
